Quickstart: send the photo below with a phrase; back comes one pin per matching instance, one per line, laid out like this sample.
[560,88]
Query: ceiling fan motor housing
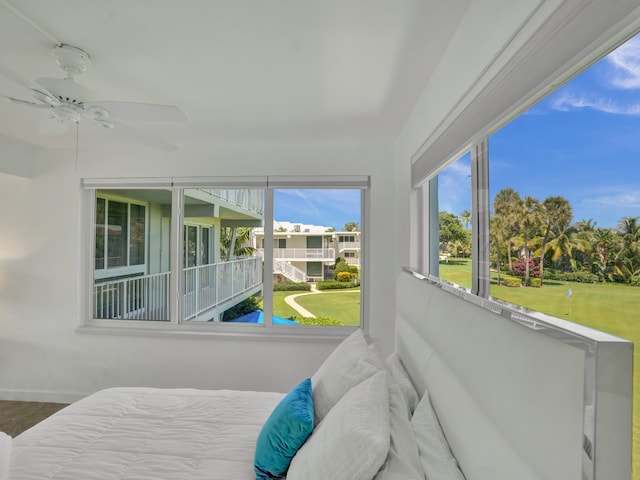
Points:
[72,60]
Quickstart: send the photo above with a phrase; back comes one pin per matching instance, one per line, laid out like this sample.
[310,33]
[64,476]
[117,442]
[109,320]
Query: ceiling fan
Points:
[70,103]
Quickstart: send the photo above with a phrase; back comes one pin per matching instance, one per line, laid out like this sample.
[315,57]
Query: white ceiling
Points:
[240,69]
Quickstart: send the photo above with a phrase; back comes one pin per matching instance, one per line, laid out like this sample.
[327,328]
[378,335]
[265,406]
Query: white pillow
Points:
[352,441]
[6,443]
[403,459]
[401,378]
[347,366]
[437,460]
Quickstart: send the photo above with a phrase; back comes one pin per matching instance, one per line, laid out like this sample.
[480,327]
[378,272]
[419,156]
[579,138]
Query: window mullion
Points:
[176,257]
[267,280]
[480,219]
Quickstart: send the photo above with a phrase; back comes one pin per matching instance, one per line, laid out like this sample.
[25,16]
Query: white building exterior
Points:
[307,253]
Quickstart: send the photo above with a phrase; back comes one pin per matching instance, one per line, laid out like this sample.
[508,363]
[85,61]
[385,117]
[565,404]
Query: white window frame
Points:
[175,326]
[108,272]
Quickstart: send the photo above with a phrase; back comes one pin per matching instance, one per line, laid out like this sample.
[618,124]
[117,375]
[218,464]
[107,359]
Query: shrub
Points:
[340,266]
[511,281]
[291,286]
[579,277]
[249,305]
[323,321]
[344,277]
[535,282]
[332,285]
[518,268]
[353,269]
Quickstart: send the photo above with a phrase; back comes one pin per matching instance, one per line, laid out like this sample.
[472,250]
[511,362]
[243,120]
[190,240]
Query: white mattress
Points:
[146,433]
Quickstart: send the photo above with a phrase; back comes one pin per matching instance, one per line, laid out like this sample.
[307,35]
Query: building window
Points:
[201,255]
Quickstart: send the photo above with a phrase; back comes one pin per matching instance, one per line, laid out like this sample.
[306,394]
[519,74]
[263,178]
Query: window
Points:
[453,207]
[561,206]
[210,246]
[128,283]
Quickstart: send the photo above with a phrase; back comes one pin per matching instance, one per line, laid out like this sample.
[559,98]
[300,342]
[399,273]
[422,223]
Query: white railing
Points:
[302,253]
[292,272]
[146,297]
[251,200]
[135,298]
[207,286]
[348,246]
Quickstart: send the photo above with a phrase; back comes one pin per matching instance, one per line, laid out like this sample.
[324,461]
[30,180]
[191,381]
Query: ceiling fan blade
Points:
[33,87]
[27,103]
[140,137]
[142,112]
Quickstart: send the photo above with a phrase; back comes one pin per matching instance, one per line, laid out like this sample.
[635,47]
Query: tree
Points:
[351,227]
[240,237]
[465,217]
[529,215]
[556,216]
[627,261]
[498,234]
[451,230]
[504,205]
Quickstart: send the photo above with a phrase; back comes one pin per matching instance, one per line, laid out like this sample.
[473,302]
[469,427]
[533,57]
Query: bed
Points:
[473,391]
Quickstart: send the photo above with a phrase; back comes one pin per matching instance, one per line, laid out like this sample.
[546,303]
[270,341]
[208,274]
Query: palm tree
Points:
[529,215]
[504,206]
[557,215]
[628,258]
[465,217]
[565,242]
[498,234]
[239,237]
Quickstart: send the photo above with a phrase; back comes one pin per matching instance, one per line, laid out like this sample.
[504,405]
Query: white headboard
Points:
[519,395]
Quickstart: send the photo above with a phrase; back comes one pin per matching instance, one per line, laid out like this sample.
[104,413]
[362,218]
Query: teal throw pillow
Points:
[284,432]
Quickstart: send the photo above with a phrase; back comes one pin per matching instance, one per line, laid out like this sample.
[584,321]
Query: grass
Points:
[603,306]
[343,305]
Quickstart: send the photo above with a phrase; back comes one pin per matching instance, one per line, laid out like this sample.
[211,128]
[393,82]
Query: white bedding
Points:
[146,433]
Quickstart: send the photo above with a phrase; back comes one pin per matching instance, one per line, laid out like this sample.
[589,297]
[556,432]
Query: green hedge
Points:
[580,277]
[291,286]
[534,282]
[332,285]
[322,321]
[511,281]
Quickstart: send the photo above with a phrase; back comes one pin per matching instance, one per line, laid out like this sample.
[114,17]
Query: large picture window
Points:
[562,207]
[206,255]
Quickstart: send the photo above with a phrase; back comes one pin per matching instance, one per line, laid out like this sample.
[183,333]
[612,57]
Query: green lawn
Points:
[607,307]
[343,305]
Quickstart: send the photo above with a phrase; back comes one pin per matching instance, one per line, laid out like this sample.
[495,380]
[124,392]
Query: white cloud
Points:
[625,61]
[566,101]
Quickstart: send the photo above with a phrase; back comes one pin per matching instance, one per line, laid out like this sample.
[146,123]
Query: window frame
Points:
[176,326]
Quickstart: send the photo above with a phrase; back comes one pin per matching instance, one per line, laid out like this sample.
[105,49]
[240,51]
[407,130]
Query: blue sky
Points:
[581,142]
[329,208]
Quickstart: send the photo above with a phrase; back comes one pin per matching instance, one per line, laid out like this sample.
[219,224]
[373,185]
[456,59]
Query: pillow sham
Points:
[401,378]
[435,454]
[284,432]
[403,459]
[352,441]
[347,366]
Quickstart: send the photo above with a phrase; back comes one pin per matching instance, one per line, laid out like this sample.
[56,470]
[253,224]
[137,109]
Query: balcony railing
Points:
[146,297]
[348,246]
[302,254]
[252,200]
[210,285]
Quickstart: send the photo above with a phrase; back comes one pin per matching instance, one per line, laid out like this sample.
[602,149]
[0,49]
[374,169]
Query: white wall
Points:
[42,357]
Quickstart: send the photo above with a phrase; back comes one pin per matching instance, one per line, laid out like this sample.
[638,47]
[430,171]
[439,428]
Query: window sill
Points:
[245,332]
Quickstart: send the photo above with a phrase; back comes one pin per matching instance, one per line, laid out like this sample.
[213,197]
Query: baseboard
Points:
[40,396]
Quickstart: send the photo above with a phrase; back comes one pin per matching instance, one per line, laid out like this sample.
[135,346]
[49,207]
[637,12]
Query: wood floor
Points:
[16,417]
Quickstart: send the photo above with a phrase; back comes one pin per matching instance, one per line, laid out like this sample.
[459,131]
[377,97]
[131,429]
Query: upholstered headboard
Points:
[518,395]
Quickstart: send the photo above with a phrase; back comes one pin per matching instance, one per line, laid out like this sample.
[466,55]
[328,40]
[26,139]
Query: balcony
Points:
[207,289]
[302,254]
